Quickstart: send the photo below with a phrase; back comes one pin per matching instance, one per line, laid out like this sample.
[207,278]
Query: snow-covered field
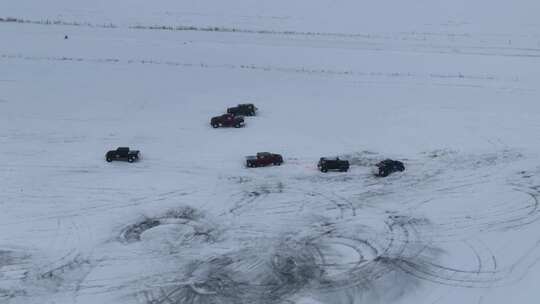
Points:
[449,87]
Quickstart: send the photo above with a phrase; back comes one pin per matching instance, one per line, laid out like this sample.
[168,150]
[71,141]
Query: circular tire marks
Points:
[371,243]
[331,259]
[194,227]
[324,237]
[245,276]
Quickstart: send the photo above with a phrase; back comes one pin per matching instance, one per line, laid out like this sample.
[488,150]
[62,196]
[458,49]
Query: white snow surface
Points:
[448,87]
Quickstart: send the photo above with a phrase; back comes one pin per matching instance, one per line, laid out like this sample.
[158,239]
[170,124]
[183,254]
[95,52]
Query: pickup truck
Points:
[122,153]
[264,159]
[389,166]
[333,163]
[244,109]
[227,120]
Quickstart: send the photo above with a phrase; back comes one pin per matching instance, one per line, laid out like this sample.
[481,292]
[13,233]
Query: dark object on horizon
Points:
[66,37]
[264,159]
[227,120]
[245,109]
[389,166]
[122,153]
[333,163]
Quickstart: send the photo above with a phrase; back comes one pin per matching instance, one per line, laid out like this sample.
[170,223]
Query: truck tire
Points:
[324,170]
[131,159]
[237,125]
[215,125]
[108,159]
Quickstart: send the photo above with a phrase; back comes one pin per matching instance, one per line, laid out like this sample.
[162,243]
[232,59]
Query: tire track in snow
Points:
[423,42]
[254,67]
[345,256]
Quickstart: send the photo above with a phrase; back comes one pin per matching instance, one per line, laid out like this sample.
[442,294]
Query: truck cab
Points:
[227,120]
[389,166]
[244,109]
[262,159]
[122,153]
[333,163]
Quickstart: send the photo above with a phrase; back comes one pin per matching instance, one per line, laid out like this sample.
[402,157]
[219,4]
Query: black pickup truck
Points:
[122,153]
[227,120]
[333,163]
[264,159]
[389,166]
[244,109]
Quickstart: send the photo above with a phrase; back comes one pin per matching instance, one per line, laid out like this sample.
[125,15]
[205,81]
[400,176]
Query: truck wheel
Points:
[109,159]
[324,170]
[237,126]
[131,159]
[215,126]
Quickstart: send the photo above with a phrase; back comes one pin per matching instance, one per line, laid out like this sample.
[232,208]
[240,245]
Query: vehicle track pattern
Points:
[371,242]
[186,216]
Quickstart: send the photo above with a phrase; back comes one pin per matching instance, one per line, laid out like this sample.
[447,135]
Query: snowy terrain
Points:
[449,87]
